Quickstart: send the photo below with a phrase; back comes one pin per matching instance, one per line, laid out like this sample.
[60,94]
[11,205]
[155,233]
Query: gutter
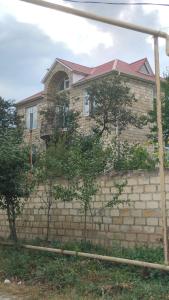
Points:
[113,71]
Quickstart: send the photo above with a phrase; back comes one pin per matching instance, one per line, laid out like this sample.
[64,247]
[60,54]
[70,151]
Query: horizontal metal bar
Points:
[98,18]
[112,259]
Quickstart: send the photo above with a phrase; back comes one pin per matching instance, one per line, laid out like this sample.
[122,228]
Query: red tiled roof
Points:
[136,65]
[117,65]
[33,97]
[75,67]
[120,66]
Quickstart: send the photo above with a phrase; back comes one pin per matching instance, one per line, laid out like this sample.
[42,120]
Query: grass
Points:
[50,276]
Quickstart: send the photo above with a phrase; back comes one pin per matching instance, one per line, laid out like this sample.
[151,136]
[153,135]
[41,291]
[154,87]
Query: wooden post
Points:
[161,150]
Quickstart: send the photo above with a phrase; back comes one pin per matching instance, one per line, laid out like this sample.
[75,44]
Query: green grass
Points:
[88,279]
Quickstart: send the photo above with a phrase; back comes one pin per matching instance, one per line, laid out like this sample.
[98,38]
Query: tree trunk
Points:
[49,205]
[48,222]
[85,222]
[12,221]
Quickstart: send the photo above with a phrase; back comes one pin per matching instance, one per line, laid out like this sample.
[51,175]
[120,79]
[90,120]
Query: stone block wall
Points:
[135,223]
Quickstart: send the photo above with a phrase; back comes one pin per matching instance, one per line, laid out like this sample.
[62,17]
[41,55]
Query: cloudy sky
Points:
[32,37]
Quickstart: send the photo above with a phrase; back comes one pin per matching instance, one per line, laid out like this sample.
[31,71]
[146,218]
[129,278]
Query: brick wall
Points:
[136,223]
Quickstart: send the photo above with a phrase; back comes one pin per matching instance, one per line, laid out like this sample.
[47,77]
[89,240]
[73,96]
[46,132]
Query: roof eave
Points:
[114,71]
[51,69]
[23,102]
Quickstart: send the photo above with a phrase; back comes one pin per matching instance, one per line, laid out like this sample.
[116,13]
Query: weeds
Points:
[89,279]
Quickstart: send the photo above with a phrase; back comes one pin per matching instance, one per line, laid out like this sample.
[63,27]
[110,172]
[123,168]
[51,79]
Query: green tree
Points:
[111,105]
[15,183]
[59,127]
[86,160]
[152,118]
[72,161]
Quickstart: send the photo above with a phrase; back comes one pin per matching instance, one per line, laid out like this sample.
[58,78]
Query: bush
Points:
[130,157]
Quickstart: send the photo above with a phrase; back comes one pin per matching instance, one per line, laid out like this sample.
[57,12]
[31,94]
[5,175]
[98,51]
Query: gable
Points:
[146,69]
[142,66]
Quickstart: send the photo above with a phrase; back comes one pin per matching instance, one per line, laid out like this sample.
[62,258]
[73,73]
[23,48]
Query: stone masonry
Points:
[141,88]
[135,223]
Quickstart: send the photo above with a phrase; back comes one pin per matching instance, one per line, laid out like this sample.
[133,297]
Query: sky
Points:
[31,37]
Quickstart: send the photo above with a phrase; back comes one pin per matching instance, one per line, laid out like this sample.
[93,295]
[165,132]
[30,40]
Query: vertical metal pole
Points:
[161,150]
[30,140]
[30,143]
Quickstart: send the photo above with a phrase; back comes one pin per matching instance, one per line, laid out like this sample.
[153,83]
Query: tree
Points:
[86,160]
[15,183]
[72,161]
[61,124]
[110,105]
[152,118]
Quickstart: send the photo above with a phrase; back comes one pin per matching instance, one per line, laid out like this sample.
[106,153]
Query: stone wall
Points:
[136,223]
[142,89]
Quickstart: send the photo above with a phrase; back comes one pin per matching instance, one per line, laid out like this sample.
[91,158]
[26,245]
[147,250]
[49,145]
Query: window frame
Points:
[34,111]
[86,112]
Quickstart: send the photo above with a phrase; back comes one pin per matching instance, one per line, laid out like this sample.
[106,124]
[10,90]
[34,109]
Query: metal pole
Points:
[30,153]
[156,34]
[91,16]
[161,150]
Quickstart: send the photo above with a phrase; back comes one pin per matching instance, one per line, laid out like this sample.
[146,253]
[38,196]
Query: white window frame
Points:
[86,104]
[31,110]
[65,82]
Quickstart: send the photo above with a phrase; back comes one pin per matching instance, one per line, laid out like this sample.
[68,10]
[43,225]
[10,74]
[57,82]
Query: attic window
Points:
[145,69]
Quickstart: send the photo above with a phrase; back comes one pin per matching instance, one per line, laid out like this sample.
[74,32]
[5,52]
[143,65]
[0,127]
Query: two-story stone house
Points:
[66,75]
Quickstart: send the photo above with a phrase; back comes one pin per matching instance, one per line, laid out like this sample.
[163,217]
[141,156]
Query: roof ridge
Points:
[115,64]
[105,63]
[142,59]
[74,63]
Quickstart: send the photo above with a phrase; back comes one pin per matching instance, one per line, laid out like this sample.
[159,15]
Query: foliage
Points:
[88,278]
[62,120]
[152,118]
[8,115]
[111,102]
[73,160]
[125,156]
[15,184]
[52,163]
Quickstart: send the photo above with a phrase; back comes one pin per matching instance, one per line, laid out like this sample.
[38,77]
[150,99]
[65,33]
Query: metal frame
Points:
[155,34]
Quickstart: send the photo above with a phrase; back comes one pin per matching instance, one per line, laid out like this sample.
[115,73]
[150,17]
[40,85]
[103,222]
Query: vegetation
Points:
[125,156]
[15,183]
[77,278]
[110,105]
[165,114]
[72,162]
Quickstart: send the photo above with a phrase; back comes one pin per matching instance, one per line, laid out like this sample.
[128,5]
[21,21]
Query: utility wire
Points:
[118,3]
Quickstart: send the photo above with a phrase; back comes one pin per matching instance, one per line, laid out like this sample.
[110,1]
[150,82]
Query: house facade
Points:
[75,78]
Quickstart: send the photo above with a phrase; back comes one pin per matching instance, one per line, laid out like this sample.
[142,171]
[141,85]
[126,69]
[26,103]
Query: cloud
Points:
[78,34]
[32,37]
[25,54]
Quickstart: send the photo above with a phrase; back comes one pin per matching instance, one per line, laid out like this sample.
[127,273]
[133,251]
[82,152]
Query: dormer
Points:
[142,66]
[62,74]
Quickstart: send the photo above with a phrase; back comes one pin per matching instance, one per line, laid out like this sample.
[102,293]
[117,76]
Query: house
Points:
[66,75]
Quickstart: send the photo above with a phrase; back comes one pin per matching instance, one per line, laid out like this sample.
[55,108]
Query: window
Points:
[89,107]
[64,84]
[145,69]
[31,117]
[86,104]
[62,115]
